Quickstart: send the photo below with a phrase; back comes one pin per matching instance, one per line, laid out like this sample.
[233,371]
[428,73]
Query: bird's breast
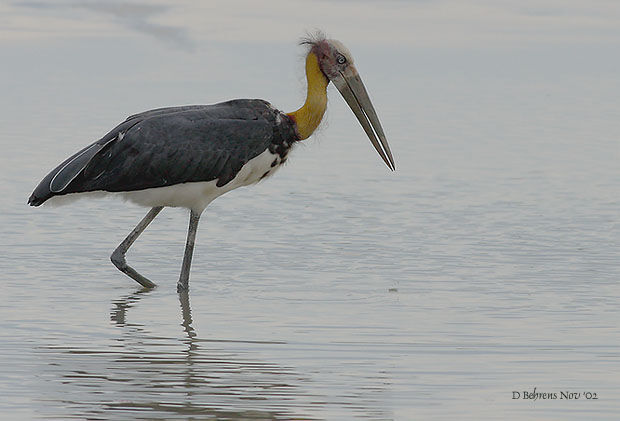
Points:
[263,165]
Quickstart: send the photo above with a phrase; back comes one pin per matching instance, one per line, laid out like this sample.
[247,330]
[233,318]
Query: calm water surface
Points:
[488,264]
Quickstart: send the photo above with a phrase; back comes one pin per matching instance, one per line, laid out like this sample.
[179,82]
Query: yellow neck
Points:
[309,116]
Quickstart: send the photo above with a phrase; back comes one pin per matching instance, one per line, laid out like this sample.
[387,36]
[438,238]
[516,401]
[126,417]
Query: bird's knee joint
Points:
[118,259]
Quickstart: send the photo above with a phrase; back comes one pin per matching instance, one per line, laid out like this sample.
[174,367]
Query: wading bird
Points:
[187,156]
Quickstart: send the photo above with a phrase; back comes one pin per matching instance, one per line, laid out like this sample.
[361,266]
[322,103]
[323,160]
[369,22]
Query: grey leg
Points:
[118,256]
[183,284]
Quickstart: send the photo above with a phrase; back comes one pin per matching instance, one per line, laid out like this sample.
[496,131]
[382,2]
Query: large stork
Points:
[187,156]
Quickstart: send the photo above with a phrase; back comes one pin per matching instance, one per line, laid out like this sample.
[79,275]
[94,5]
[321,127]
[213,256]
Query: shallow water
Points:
[488,264]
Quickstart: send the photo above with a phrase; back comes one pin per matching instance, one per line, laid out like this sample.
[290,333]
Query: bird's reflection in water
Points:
[142,375]
[186,311]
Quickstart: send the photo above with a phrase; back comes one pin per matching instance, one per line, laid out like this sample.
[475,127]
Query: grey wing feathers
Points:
[73,166]
[169,146]
[65,173]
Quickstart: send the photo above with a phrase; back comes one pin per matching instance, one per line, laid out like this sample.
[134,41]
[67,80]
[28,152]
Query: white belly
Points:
[195,195]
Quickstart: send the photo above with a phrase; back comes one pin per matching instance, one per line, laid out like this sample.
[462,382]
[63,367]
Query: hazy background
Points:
[487,263]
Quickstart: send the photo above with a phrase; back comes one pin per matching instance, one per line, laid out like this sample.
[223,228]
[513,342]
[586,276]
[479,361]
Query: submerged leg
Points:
[183,284]
[118,256]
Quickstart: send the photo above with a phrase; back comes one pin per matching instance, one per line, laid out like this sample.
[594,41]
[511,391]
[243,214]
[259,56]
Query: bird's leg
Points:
[118,256]
[183,284]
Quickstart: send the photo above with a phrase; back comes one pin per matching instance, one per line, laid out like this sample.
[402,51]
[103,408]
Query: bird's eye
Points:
[341,59]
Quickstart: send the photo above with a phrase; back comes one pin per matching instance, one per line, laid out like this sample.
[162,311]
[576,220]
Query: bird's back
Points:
[174,145]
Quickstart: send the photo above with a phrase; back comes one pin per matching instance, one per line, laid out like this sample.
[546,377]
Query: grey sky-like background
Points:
[425,23]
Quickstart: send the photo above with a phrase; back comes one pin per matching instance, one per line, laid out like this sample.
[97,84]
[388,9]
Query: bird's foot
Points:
[118,259]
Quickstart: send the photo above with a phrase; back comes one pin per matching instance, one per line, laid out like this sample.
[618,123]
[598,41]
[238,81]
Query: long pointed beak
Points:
[354,92]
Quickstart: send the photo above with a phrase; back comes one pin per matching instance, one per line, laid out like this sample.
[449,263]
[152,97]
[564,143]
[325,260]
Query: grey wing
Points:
[176,149]
[165,147]
[60,178]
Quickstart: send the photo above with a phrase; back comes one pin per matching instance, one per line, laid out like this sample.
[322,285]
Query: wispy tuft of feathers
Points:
[313,38]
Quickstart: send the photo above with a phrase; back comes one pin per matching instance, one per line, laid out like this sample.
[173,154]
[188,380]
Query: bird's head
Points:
[334,58]
[336,63]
